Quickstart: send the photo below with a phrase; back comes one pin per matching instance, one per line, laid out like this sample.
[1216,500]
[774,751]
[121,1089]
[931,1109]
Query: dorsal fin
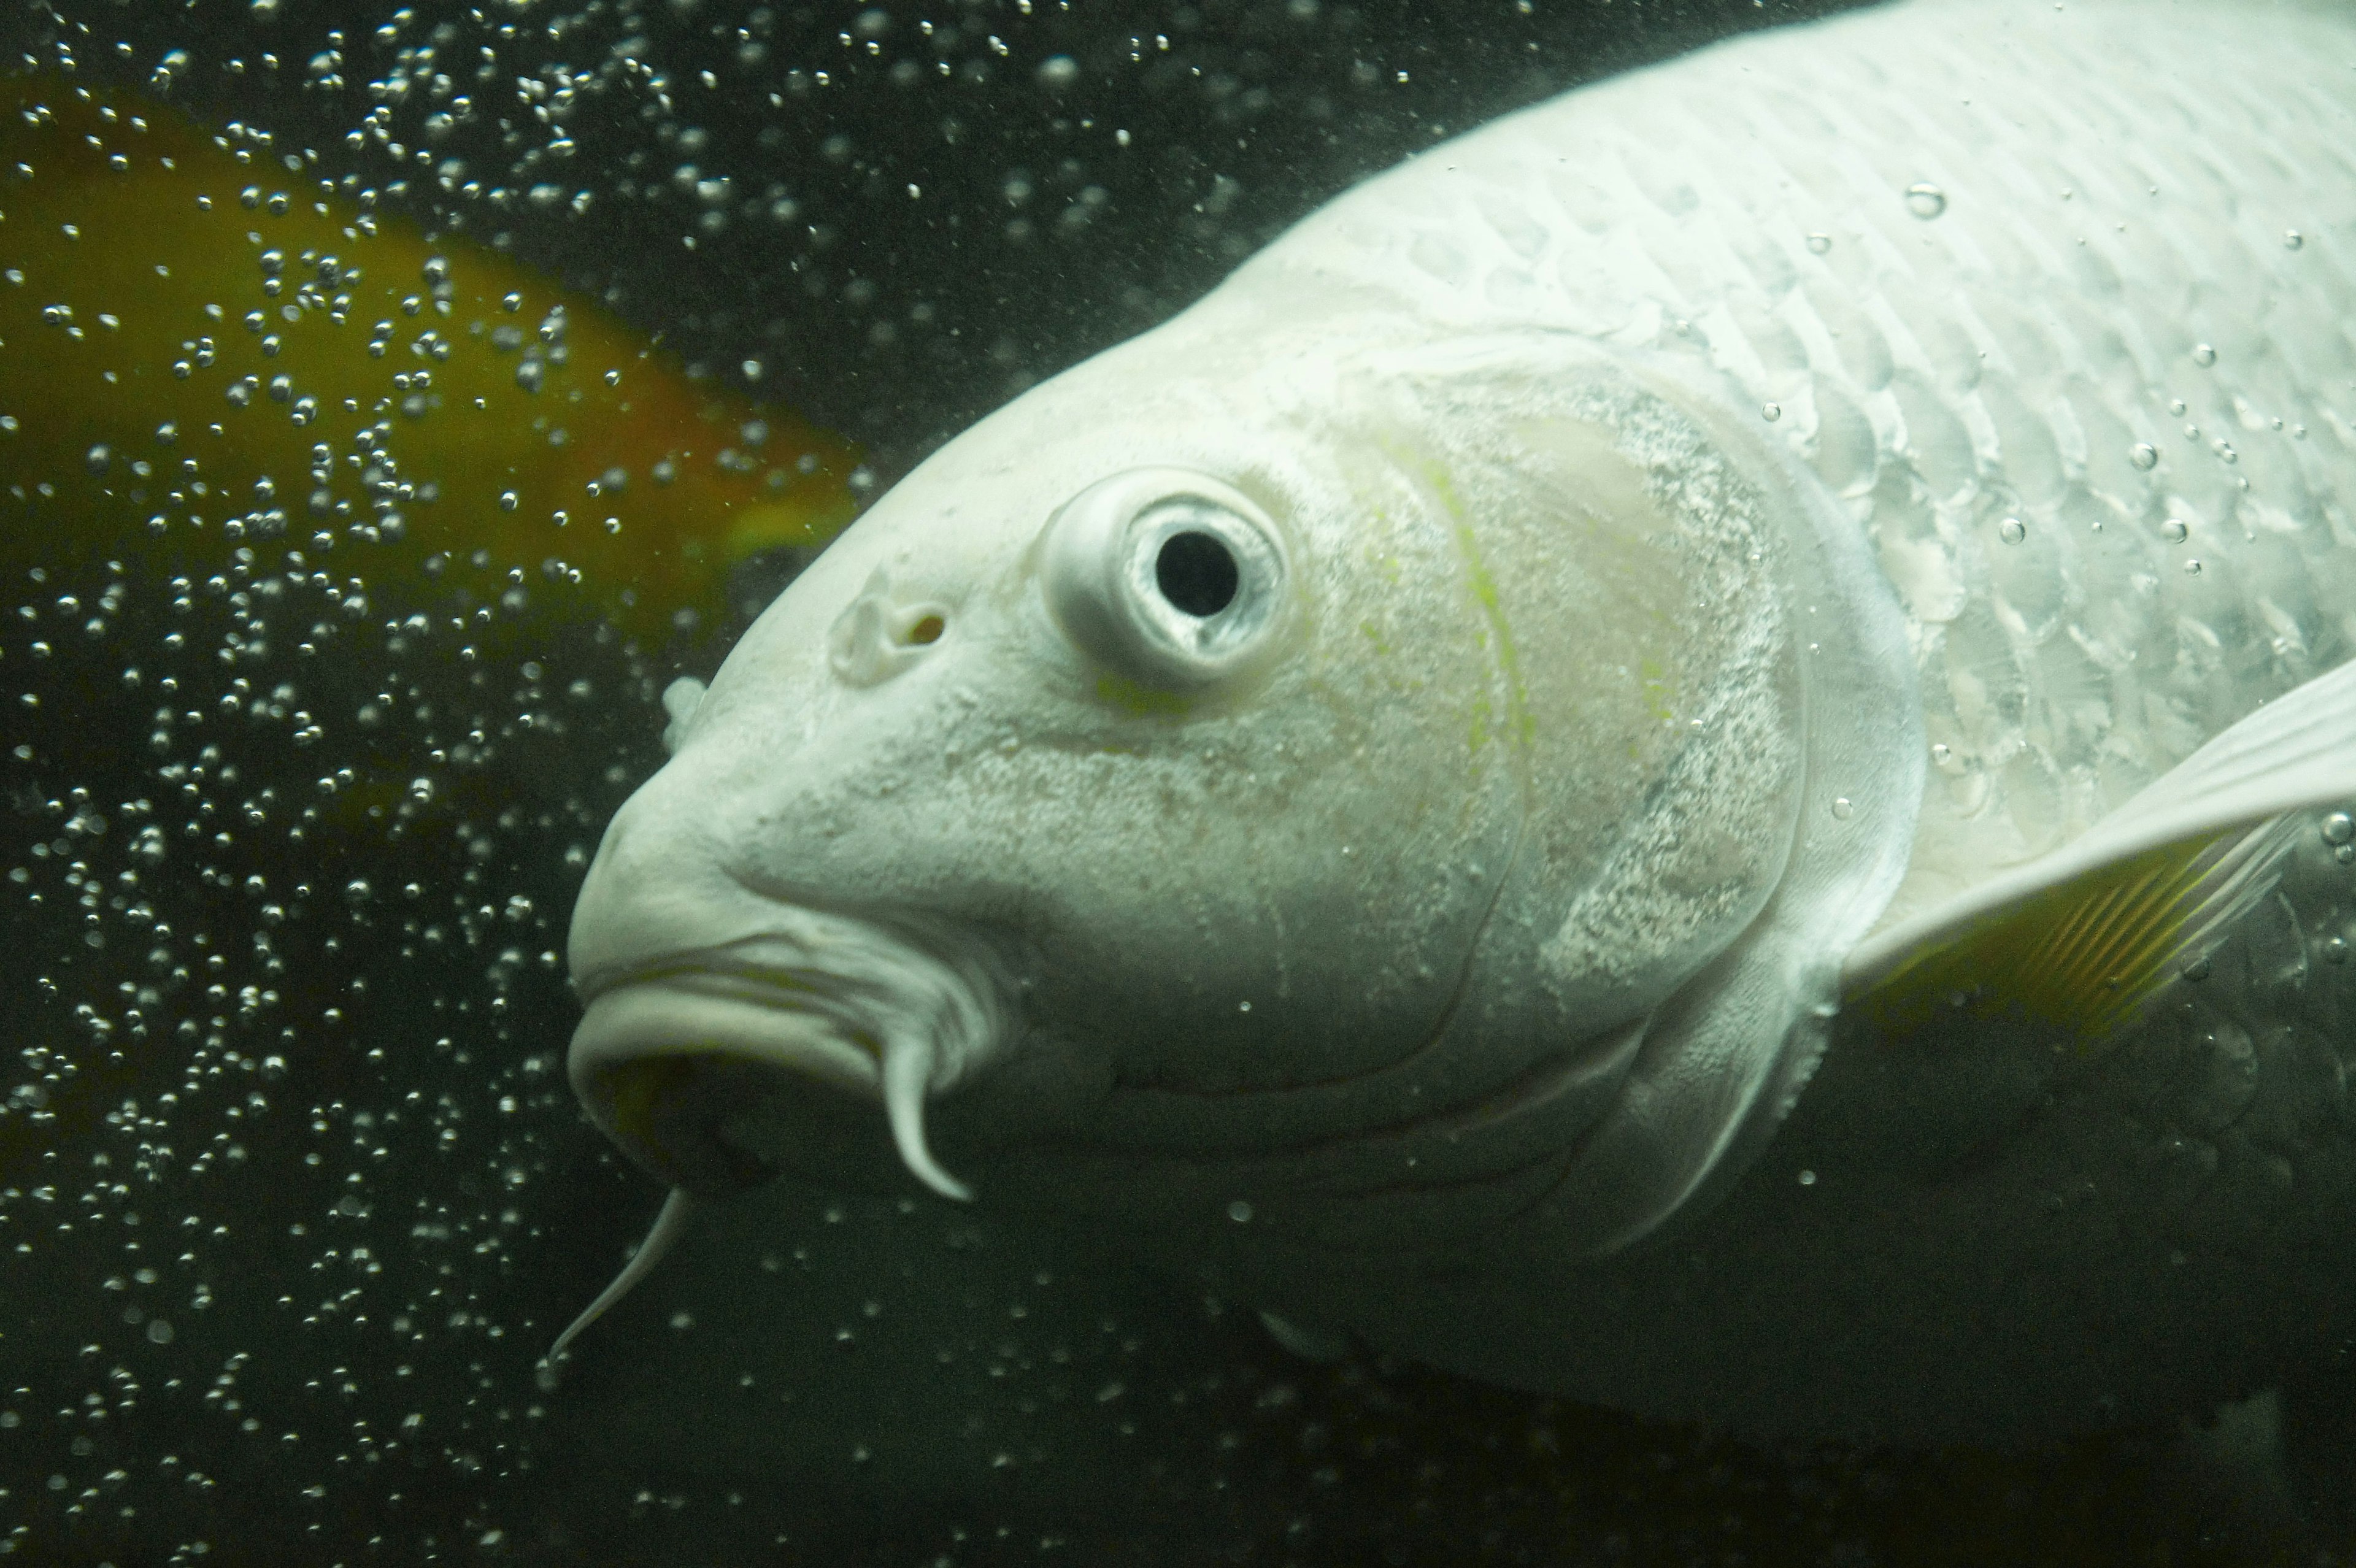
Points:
[2085,938]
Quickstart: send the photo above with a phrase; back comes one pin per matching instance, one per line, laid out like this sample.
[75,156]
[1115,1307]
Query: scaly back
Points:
[2058,301]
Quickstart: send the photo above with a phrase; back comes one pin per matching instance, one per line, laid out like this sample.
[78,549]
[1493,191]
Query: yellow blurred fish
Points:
[200,340]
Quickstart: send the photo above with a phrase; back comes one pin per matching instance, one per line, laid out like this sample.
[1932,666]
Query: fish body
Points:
[1682,752]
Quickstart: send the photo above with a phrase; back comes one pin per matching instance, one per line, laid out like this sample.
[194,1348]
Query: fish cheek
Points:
[1249,900]
[1654,661]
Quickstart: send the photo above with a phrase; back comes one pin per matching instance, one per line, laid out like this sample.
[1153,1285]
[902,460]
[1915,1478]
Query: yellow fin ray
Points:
[2086,956]
[2086,937]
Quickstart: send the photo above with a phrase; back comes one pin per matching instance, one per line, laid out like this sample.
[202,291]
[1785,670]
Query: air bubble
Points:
[2175,530]
[2203,355]
[1842,808]
[1239,1211]
[1770,411]
[1925,201]
[1820,243]
[2338,827]
[2144,455]
[2293,240]
[2012,530]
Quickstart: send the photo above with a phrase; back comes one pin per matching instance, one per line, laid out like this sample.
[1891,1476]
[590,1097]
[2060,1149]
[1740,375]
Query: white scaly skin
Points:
[2115,182]
[1439,965]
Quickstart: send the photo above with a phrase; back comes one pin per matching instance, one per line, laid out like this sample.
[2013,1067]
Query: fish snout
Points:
[656,883]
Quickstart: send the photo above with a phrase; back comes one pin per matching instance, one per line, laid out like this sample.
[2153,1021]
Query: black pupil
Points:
[1197,573]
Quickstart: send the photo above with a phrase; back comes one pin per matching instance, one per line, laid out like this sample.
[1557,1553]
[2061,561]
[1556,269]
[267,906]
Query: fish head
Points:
[1248,757]
[1117,744]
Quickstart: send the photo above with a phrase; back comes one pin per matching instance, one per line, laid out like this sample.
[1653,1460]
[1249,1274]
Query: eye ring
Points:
[1172,578]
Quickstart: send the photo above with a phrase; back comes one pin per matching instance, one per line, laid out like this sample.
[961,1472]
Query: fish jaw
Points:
[708,1005]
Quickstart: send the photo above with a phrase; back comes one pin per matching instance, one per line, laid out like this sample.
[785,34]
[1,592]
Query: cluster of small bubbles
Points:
[224,1066]
[685,129]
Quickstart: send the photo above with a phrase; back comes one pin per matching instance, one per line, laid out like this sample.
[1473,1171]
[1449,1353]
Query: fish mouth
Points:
[675,1046]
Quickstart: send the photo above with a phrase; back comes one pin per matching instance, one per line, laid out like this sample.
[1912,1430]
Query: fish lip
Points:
[733,960]
[882,1010]
[697,1002]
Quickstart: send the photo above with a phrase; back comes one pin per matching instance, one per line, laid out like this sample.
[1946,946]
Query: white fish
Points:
[1681,752]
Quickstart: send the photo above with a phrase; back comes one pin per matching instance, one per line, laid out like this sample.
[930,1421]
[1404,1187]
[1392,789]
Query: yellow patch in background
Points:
[199,348]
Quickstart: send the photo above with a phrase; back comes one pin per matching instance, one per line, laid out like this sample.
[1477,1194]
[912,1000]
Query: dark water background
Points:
[292,1192]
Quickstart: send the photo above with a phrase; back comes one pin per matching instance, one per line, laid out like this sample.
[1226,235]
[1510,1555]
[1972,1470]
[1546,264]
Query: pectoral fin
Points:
[2085,938]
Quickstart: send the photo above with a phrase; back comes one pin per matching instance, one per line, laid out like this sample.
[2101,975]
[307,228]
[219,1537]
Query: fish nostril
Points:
[880,634]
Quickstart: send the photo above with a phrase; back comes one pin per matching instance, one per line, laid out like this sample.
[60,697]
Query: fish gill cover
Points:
[299,790]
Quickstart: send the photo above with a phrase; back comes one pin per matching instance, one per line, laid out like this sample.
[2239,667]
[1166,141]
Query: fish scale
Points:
[2102,215]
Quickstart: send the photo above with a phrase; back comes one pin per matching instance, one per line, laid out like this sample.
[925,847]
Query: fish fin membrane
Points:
[2085,938]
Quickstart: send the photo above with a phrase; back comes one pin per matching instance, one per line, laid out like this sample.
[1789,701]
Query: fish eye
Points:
[1196,573]
[1175,580]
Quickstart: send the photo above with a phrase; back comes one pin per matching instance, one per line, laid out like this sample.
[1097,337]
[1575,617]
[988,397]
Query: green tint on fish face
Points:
[1347,752]
[1238,845]
[1631,575]
[1627,589]
[1233,851]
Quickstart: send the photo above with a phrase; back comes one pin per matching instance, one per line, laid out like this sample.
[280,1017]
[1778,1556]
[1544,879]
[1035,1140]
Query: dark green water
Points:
[292,1191]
